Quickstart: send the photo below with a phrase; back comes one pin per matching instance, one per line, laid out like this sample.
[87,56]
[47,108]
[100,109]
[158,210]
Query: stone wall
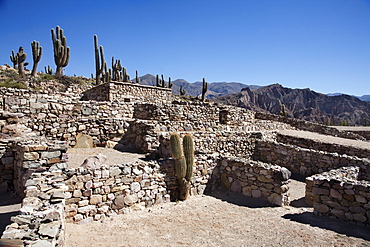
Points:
[308,126]
[128,92]
[254,179]
[340,194]
[302,160]
[38,177]
[327,147]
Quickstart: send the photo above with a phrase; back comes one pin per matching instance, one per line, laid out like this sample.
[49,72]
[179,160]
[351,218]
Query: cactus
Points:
[182,90]
[36,55]
[14,59]
[99,60]
[183,163]
[283,111]
[48,70]
[163,81]
[170,84]
[204,89]
[117,67]
[137,77]
[21,58]
[188,146]
[61,51]
[157,81]
[125,76]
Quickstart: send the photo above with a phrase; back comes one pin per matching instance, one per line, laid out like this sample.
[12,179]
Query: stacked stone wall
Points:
[341,194]
[309,126]
[302,160]
[327,147]
[254,179]
[128,92]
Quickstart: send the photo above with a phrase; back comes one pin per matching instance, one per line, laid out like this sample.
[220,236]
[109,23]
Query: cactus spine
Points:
[204,89]
[184,161]
[99,60]
[36,55]
[61,51]
[21,58]
[14,59]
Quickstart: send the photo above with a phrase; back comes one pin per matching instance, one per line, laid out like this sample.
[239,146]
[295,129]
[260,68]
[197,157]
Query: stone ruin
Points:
[236,149]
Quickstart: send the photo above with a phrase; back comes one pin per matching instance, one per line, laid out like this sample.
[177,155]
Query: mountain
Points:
[303,104]
[363,97]
[215,89]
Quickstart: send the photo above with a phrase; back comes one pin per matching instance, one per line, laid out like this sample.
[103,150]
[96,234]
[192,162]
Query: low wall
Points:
[339,193]
[327,147]
[308,126]
[301,160]
[127,92]
[254,179]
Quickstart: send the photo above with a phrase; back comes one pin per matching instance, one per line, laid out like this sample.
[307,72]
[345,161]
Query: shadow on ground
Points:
[9,206]
[338,226]
[239,199]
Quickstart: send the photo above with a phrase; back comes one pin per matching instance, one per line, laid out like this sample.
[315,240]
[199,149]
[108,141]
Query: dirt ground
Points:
[219,220]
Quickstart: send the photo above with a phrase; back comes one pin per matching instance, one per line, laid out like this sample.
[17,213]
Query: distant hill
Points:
[215,89]
[363,97]
[303,104]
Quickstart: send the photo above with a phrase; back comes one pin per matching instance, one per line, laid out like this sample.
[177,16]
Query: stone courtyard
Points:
[252,155]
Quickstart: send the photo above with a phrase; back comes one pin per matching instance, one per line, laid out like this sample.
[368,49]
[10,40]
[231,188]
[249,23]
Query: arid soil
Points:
[218,220]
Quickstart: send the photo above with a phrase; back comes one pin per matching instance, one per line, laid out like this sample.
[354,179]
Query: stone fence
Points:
[327,147]
[308,126]
[341,194]
[302,160]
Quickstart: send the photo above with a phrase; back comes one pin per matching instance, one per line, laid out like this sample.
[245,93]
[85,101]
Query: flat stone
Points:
[321,208]
[41,243]
[84,141]
[95,199]
[51,229]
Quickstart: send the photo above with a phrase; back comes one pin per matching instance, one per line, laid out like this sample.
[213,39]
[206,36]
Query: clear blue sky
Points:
[319,44]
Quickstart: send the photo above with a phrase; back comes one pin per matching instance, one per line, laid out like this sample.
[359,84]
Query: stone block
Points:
[84,141]
[96,199]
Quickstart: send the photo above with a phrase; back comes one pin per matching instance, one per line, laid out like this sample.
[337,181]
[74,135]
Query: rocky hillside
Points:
[215,89]
[303,104]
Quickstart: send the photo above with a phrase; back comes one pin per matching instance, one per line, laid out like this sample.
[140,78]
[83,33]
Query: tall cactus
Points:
[14,59]
[99,60]
[182,90]
[125,76]
[21,58]
[183,162]
[61,51]
[204,89]
[170,84]
[137,80]
[117,67]
[36,55]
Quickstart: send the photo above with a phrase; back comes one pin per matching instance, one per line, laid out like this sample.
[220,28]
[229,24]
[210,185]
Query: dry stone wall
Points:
[128,92]
[302,160]
[327,147]
[308,126]
[254,179]
[340,193]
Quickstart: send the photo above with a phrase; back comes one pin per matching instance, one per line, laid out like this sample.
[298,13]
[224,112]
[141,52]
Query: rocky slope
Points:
[303,104]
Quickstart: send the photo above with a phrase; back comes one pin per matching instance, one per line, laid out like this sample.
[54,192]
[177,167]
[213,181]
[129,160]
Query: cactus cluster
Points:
[48,70]
[182,91]
[184,161]
[61,51]
[36,55]
[100,63]
[160,82]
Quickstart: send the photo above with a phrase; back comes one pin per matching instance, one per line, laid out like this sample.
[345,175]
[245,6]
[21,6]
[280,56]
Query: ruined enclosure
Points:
[236,149]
